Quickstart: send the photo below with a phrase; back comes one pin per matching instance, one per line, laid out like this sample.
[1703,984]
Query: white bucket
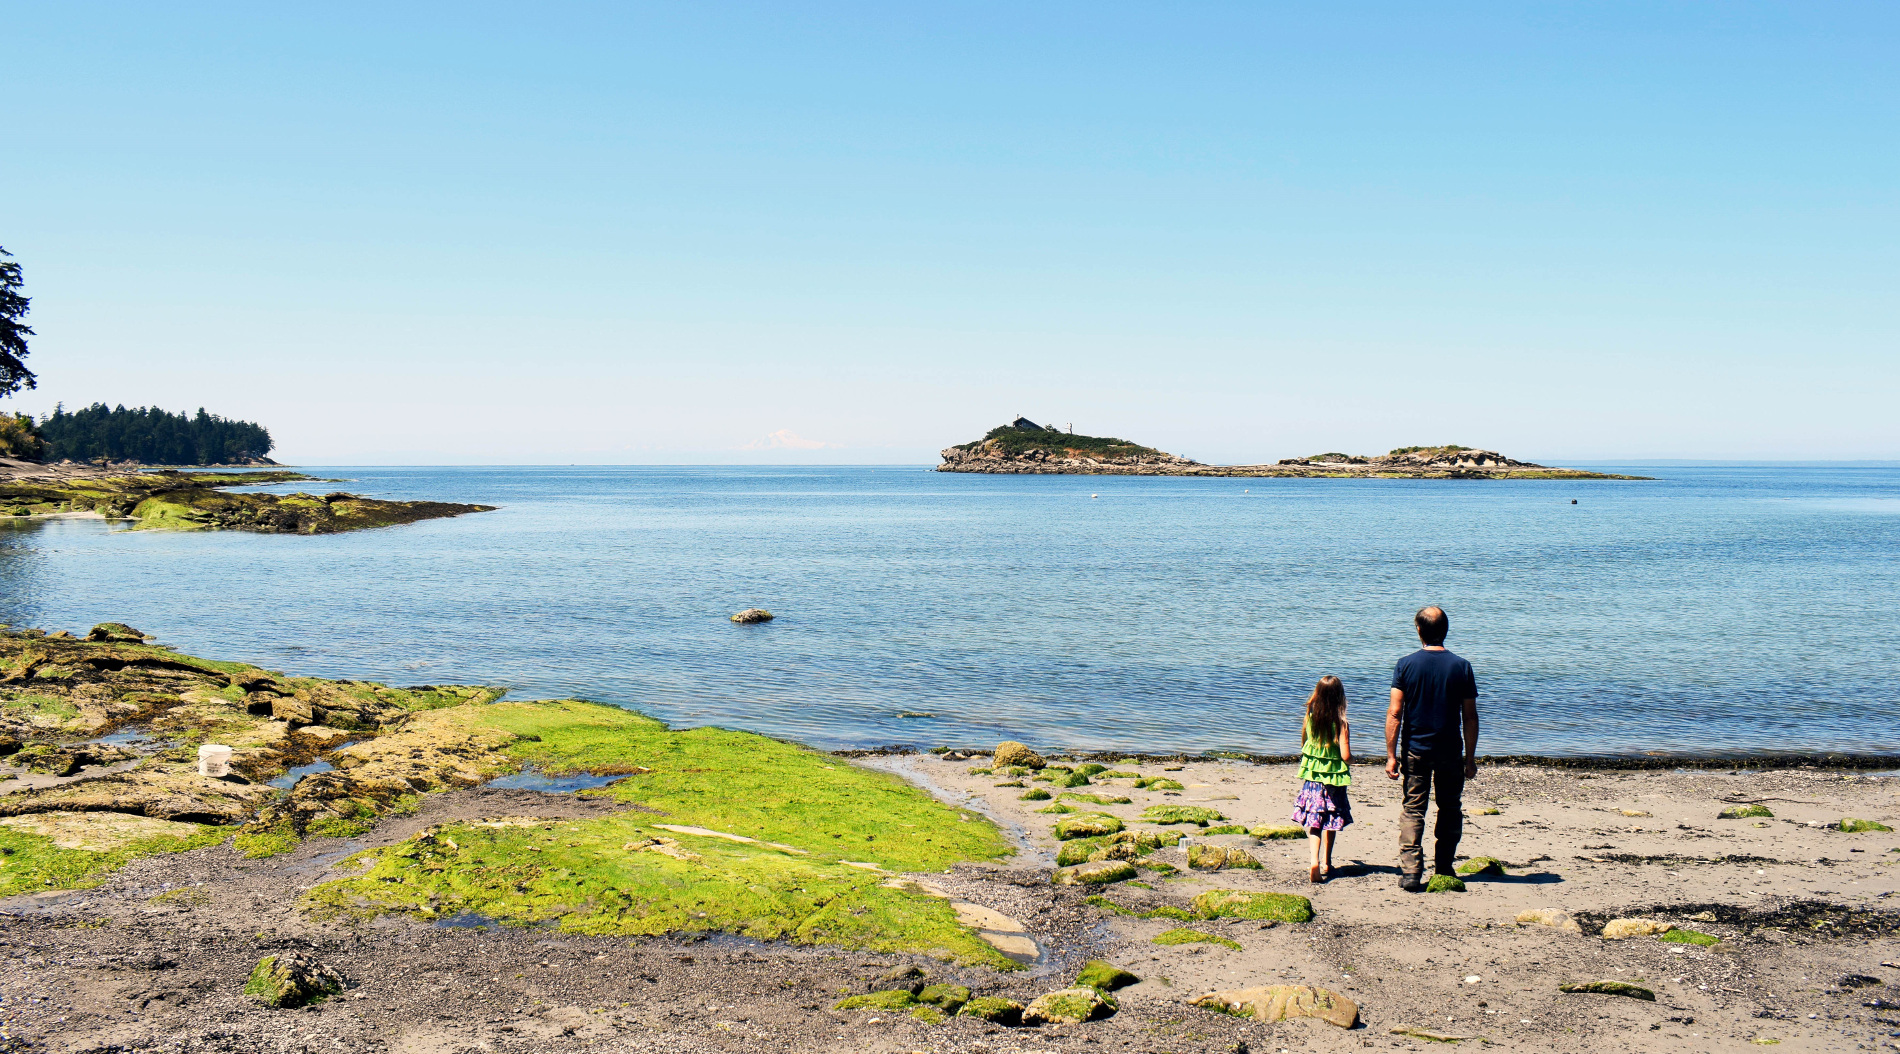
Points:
[214,759]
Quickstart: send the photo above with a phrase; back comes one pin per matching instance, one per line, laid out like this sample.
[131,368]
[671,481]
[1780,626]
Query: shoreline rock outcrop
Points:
[1026,448]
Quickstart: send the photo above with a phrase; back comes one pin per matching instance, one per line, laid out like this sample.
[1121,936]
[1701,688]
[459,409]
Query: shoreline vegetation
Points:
[511,874]
[169,499]
[1025,447]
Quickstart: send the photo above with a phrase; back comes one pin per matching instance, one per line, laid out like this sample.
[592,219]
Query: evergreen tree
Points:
[13,333]
[151,435]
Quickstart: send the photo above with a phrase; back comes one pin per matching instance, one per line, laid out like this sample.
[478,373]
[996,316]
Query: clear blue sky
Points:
[669,233]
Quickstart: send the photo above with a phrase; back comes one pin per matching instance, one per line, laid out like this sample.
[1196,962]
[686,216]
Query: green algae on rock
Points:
[1087,825]
[1743,812]
[1483,865]
[1069,1006]
[1851,826]
[1035,794]
[291,980]
[1104,976]
[1164,815]
[1277,830]
[993,1008]
[1696,937]
[194,501]
[945,997]
[774,837]
[1183,935]
[1160,783]
[1280,907]
[1445,884]
[1094,873]
[1011,753]
[1096,799]
[895,999]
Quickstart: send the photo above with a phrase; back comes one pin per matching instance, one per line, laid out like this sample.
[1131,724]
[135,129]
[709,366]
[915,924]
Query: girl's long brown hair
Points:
[1325,710]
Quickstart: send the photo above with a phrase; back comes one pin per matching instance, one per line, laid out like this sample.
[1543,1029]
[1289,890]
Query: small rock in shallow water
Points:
[1010,752]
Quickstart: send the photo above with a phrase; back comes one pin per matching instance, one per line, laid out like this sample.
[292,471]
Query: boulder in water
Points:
[752,615]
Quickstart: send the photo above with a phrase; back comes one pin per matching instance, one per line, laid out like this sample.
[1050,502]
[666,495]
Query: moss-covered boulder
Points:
[1268,831]
[1164,815]
[1159,783]
[1489,866]
[753,616]
[1743,812]
[1622,988]
[1225,828]
[1146,841]
[995,1009]
[1851,826]
[1036,794]
[1280,1002]
[1098,799]
[1010,752]
[1094,873]
[892,999]
[1057,809]
[1235,903]
[1090,769]
[948,998]
[1219,857]
[1445,884]
[1078,851]
[291,980]
[1068,779]
[1070,1006]
[1087,825]
[1104,976]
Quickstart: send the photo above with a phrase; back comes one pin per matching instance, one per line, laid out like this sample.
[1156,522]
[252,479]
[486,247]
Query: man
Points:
[1433,692]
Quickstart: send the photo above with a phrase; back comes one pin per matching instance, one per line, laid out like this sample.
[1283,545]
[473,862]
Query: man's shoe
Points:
[1411,884]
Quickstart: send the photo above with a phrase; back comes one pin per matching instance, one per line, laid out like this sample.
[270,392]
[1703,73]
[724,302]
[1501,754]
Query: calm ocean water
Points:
[1719,610]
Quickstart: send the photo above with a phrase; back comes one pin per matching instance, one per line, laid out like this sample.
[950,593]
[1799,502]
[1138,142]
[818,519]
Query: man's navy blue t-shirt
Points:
[1436,684]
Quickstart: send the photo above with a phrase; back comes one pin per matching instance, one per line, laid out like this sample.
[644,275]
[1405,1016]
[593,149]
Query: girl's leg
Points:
[1326,850]
[1313,838]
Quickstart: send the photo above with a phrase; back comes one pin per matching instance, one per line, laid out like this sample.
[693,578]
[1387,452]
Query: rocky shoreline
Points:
[192,501]
[439,869]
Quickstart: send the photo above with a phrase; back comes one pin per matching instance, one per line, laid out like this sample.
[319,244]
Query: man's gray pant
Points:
[1421,772]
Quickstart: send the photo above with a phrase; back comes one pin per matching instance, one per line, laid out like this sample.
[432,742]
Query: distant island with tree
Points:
[1025,447]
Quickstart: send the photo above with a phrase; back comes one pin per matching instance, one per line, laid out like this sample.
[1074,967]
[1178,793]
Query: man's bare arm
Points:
[1471,738]
[1392,734]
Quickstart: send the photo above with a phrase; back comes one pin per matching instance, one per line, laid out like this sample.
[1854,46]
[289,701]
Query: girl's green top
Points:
[1321,762]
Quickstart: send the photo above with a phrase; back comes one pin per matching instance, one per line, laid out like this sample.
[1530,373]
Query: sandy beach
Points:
[1807,937]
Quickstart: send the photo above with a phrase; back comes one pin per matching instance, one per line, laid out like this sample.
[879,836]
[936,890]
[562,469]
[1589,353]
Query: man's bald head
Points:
[1432,625]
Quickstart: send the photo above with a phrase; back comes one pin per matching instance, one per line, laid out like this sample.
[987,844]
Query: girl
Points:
[1325,750]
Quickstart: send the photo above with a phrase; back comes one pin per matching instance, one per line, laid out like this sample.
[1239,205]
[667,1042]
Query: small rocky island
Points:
[198,501]
[1023,446]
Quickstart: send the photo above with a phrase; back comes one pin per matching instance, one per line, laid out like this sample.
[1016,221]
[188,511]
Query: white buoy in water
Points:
[214,759]
[1095,495]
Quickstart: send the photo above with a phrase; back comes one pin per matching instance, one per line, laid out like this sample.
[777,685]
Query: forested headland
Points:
[150,435]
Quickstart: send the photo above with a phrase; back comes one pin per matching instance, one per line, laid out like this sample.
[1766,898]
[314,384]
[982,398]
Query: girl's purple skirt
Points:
[1322,807]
